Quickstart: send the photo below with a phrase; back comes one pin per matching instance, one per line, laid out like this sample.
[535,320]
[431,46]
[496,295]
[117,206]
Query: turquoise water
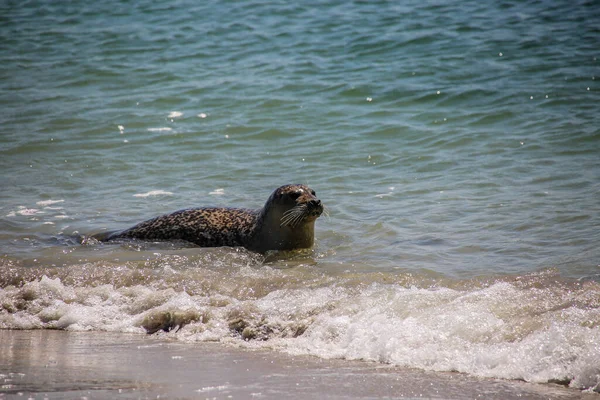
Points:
[456,146]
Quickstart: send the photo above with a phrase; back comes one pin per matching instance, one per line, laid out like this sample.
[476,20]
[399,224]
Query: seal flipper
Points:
[105,236]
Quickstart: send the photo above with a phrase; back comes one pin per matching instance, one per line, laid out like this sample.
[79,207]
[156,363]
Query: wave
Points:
[537,327]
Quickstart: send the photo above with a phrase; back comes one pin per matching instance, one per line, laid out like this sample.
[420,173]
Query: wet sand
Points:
[45,364]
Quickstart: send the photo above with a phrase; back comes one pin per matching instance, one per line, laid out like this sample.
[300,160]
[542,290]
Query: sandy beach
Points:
[47,364]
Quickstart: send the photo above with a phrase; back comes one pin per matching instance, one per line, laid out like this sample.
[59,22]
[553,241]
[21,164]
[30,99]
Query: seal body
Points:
[285,222]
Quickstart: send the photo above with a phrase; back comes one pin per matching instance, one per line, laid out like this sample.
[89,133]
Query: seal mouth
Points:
[302,212]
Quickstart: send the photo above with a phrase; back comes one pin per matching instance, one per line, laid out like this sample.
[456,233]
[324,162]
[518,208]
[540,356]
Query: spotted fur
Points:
[259,230]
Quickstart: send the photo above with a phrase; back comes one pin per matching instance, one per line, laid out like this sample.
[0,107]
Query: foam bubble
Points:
[48,202]
[212,388]
[153,193]
[175,114]
[163,129]
[24,211]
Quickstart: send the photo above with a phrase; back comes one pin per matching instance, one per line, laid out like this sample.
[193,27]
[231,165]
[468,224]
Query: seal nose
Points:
[316,206]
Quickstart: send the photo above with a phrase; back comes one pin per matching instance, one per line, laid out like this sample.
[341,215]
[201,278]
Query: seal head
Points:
[285,222]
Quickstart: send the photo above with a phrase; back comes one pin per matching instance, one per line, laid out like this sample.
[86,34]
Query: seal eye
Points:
[295,195]
[313,193]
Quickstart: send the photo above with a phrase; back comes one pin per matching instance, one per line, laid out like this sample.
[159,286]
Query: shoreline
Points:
[49,364]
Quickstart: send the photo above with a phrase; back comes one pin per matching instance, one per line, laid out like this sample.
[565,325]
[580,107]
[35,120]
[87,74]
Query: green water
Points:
[453,137]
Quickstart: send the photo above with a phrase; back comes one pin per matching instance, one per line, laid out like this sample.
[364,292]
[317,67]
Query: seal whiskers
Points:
[294,216]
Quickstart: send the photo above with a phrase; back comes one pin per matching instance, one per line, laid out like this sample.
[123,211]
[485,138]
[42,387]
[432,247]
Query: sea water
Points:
[456,146]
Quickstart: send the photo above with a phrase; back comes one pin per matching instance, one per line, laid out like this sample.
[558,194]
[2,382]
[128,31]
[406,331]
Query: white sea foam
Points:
[44,203]
[22,210]
[217,192]
[175,114]
[162,129]
[537,334]
[446,330]
[212,388]
[153,193]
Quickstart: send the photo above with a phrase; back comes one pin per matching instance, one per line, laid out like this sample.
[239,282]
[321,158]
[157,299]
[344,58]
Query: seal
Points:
[285,222]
